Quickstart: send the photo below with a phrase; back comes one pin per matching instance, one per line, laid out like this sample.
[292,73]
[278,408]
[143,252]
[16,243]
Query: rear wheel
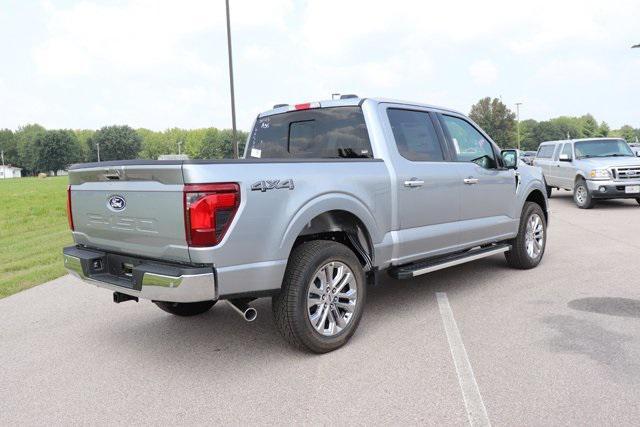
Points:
[528,247]
[185,308]
[581,195]
[322,296]
[638,200]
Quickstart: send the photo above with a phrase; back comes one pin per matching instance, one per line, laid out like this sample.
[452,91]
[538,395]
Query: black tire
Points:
[638,200]
[587,202]
[290,305]
[518,257]
[549,190]
[185,309]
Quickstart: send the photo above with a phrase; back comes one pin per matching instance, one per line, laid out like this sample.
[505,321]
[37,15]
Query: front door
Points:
[428,185]
[488,192]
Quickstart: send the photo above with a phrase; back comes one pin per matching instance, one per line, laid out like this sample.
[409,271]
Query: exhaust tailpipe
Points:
[119,297]
[248,313]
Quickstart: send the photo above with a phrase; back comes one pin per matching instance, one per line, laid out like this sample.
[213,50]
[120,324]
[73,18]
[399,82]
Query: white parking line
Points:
[476,411]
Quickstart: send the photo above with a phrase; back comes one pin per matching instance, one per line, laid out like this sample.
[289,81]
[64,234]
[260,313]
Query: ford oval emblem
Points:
[116,203]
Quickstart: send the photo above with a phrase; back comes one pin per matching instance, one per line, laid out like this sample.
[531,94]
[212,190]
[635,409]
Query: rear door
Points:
[553,172]
[488,190]
[565,169]
[428,184]
[130,209]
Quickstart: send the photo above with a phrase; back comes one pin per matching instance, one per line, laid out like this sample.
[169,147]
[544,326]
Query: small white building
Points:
[8,171]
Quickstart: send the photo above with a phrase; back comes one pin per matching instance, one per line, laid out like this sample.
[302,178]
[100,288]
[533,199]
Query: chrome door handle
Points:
[471,181]
[413,182]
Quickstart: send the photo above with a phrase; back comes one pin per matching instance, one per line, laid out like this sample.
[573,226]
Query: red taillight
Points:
[208,211]
[69,213]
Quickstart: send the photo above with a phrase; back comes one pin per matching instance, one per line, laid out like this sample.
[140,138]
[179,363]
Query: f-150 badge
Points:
[272,184]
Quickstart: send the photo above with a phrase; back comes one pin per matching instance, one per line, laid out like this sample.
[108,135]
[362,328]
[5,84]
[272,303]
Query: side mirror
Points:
[564,158]
[509,159]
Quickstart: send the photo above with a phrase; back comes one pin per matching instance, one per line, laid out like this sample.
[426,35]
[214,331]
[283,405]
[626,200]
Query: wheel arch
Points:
[338,217]
[536,196]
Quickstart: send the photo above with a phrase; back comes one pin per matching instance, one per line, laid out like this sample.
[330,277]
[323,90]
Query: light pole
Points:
[233,98]
[518,104]
[179,144]
[3,170]
[98,148]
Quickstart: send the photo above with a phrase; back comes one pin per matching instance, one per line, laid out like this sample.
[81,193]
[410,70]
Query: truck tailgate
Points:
[132,209]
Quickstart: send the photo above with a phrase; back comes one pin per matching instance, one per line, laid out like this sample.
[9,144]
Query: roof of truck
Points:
[562,141]
[352,101]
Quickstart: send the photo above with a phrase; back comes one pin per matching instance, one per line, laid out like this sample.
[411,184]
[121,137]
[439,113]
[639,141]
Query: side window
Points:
[415,135]
[302,141]
[556,153]
[566,149]
[545,151]
[469,144]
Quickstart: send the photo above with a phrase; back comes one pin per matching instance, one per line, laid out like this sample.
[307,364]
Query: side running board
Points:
[427,266]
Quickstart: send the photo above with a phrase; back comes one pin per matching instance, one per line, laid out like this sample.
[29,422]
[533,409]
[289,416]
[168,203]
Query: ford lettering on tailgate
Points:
[116,222]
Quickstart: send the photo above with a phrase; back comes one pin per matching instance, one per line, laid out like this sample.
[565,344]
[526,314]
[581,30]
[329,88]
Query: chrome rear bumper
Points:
[149,280]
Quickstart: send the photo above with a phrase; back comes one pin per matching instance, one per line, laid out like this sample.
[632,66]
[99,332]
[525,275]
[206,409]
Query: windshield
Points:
[321,133]
[602,148]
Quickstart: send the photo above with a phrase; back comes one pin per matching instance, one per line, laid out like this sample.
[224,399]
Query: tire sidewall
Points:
[587,202]
[312,338]
[531,209]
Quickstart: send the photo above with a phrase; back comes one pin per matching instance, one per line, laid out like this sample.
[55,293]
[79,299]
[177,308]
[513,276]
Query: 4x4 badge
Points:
[272,184]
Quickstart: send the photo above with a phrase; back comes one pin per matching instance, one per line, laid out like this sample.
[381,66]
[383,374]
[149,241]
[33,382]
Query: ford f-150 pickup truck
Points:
[328,196]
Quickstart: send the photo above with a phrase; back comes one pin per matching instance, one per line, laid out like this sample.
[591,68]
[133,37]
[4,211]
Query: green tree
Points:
[84,141]
[26,139]
[496,119]
[9,146]
[528,141]
[589,126]
[603,130]
[116,143]
[56,150]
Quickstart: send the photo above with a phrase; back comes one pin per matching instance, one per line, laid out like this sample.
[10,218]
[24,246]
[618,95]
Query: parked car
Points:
[635,147]
[329,195]
[594,168]
[527,156]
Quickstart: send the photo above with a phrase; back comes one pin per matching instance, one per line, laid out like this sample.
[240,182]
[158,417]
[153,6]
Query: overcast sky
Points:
[160,64]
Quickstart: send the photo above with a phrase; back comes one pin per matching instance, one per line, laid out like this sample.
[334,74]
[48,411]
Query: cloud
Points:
[483,72]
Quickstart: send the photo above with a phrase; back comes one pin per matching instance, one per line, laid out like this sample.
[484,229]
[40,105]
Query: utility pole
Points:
[518,104]
[179,144]
[233,98]
[98,147]
[4,172]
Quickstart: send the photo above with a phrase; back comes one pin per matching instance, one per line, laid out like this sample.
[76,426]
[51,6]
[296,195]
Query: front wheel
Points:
[528,247]
[322,296]
[638,200]
[185,309]
[581,195]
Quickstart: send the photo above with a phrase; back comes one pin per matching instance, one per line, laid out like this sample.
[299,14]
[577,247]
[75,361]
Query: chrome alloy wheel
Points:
[581,194]
[332,298]
[534,236]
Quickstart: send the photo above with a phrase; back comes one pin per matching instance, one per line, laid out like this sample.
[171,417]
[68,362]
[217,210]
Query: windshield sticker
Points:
[256,153]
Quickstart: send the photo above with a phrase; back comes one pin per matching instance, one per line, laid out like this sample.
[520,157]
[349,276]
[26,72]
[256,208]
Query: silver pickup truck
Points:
[594,168]
[328,196]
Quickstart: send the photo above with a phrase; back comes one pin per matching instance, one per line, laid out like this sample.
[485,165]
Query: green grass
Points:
[33,230]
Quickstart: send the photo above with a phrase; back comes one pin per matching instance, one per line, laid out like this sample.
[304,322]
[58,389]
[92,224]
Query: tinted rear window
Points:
[545,151]
[336,132]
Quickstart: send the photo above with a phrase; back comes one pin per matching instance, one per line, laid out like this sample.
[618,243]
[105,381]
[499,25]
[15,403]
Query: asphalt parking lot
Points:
[556,345]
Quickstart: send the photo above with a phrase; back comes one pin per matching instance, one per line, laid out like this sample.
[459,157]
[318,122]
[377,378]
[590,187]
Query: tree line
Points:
[500,123]
[36,149]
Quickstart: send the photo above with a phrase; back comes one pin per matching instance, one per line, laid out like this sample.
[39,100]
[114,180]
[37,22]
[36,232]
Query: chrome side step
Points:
[427,266]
